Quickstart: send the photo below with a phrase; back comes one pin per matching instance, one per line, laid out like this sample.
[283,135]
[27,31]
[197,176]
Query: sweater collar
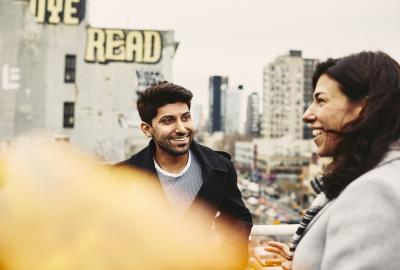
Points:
[210,160]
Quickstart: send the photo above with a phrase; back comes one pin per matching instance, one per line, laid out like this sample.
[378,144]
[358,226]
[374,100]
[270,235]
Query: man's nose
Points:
[180,127]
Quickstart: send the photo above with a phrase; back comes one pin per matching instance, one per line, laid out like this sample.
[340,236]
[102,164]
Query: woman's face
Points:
[329,112]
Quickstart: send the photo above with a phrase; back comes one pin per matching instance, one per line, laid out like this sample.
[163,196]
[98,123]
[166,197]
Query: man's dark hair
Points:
[159,95]
[375,77]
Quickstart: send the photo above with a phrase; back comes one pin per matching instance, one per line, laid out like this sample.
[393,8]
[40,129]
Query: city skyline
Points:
[237,39]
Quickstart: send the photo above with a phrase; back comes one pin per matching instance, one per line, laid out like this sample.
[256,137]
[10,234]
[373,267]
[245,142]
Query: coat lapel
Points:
[144,161]
[214,173]
[214,177]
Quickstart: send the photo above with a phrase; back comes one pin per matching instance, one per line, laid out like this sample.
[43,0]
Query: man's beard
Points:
[165,144]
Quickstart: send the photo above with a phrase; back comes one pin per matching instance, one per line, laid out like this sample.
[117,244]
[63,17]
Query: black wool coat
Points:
[219,190]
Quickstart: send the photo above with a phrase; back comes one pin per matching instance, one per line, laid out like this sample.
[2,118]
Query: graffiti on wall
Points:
[10,77]
[58,11]
[145,78]
[129,119]
[109,149]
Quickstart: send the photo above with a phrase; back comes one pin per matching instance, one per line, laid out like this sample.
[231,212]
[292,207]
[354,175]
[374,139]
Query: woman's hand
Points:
[282,250]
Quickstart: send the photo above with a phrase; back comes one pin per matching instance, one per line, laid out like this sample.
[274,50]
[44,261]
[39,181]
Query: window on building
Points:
[70,68]
[69,115]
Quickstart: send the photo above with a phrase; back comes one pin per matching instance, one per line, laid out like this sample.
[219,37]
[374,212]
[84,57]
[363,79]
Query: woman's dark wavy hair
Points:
[375,78]
[159,95]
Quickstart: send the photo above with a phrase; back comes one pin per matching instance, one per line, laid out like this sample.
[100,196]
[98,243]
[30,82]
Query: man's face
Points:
[171,129]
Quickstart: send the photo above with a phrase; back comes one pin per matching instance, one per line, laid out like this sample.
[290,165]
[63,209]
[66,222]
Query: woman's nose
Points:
[309,115]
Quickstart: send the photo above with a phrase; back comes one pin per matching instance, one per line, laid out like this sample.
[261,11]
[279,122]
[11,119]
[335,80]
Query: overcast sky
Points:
[236,38]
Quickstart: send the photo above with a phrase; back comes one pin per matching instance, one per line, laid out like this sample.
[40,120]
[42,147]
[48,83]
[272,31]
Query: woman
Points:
[354,221]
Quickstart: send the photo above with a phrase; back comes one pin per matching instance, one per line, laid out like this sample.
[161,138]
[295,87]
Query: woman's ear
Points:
[360,106]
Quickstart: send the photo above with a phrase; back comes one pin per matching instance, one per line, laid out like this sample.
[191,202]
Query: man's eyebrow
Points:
[167,117]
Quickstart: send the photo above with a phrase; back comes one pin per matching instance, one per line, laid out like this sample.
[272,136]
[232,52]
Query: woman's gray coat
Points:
[361,228]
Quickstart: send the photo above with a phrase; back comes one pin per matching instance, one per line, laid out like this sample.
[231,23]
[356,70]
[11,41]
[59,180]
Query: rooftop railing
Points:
[274,230]
[258,256]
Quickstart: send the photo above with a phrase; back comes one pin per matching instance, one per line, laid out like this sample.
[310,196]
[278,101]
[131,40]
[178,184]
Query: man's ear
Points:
[146,129]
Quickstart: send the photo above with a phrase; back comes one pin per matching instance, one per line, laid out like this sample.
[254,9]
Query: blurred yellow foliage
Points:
[60,210]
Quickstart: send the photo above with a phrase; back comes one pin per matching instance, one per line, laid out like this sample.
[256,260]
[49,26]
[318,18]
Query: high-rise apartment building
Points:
[309,67]
[284,95]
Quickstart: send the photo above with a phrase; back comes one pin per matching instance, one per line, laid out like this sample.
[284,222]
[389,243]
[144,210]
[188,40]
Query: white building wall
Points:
[244,153]
[283,151]
[106,120]
[11,18]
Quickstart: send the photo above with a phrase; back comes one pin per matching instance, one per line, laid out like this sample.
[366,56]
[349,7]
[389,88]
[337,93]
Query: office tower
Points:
[196,111]
[217,84]
[253,115]
[231,109]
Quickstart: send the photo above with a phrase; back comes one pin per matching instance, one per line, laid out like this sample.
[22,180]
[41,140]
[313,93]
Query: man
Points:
[189,173]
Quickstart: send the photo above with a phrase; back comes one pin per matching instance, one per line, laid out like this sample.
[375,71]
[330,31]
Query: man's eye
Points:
[186,117]
[166,121]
